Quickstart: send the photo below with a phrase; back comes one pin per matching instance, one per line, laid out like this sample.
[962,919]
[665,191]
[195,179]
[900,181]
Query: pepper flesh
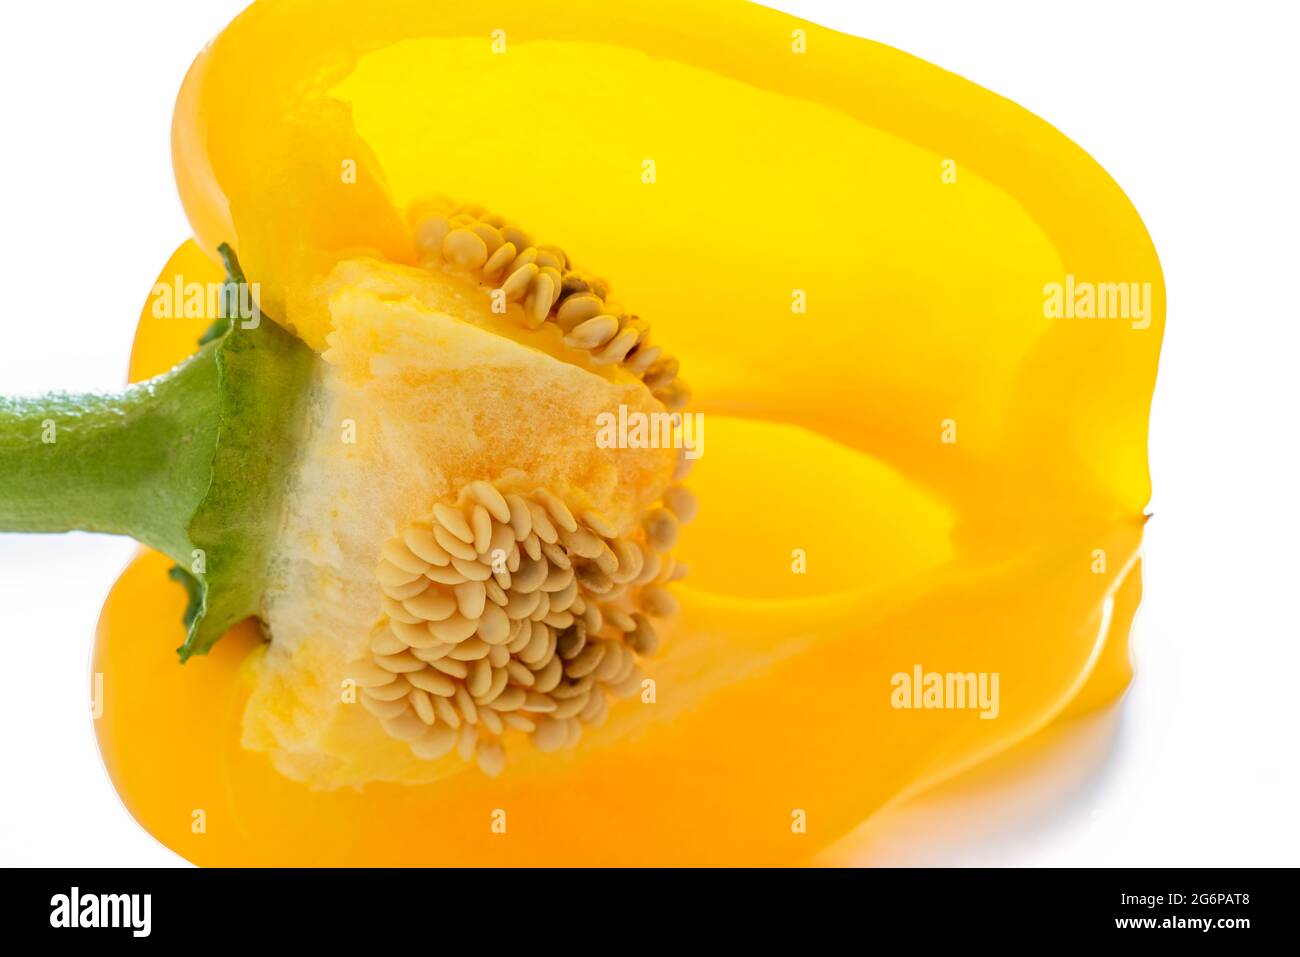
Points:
[821,173]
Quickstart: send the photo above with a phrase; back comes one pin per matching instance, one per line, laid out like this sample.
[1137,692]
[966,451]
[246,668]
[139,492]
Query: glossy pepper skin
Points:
[963,477]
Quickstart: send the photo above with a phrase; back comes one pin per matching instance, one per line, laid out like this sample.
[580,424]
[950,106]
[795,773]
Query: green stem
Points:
[136,462]
[194,463]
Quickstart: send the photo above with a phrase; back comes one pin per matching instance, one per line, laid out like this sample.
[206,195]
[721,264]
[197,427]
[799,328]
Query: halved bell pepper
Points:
[926,452]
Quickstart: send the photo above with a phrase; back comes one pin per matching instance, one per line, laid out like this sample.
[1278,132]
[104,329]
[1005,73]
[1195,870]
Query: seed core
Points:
[508,613]
[541,285]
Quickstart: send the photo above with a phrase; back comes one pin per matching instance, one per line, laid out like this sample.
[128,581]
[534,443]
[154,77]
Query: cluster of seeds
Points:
[503,611]
[540,285]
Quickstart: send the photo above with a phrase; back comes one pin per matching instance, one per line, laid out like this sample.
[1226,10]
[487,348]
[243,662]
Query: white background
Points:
[1191,109]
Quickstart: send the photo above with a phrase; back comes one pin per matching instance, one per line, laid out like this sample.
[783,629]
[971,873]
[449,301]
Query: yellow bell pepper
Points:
[897,298]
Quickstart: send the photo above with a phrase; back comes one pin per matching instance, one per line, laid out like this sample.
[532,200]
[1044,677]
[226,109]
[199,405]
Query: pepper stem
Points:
[194,463]
[135,462]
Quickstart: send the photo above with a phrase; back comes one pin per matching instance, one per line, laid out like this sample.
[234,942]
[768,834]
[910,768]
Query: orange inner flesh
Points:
[921,469]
